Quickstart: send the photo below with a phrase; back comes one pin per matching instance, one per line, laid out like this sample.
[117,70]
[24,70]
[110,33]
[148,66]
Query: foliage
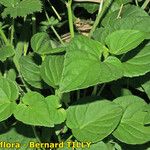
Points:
[75,72]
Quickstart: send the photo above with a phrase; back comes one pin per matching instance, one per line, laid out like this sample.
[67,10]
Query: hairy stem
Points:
[145,4]
[70,17]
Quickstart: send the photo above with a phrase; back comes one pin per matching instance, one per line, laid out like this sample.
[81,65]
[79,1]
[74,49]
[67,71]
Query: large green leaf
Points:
[122,41]
[138,64]
[5,52]
[34,109]
[83,66]
[51,70]
[93,121]
[8,96]
[30,71]
[16,8]
[19,135]
[131,129]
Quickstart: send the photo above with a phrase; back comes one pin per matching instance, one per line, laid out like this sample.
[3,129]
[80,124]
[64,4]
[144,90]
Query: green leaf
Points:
[19,134]
[127,11]
[8,96]
[58,114]
[11,74]
[93,121]
[6,52]
[21,8]
[83,66]
[18,54]
[138,64]
[8,3]
[36,110]
[131,129]
[51,70]
[30,71]
[42,44]
[122,41]
[91,8]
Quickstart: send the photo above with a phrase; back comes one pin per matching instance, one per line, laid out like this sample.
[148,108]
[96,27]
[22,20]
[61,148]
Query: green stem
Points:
[12,32]
[145,4]
[95,90]
[78,94]
[55,32]
[101,89]
[23,82]
[2,34]
[55,11]
[25,48]
[136,2]
[70,18]
[57,35]
[99,15]
[36,136]
[33,24]
[69,138]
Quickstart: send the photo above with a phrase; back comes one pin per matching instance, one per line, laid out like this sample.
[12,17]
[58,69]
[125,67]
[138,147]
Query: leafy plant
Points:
[60,89]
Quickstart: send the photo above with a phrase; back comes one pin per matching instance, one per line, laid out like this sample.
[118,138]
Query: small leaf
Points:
[122,41]
[51,70]
[36,110]
[6,52]
[131,129]
[91,8]
[42,44]
[8,96]
[83,66]
[93,121]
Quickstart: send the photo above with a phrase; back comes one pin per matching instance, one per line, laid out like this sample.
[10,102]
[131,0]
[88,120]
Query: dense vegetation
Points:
[75,71]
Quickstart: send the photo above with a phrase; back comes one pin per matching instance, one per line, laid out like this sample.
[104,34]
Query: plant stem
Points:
[101,89]
[12,32]
[78,94]
[119,14]
[70,17]
[99,15]
[57,35]
[145,4]
[2,34]
[55,11]
[95,90]
[69,138]
[33,24]
[36,135]
[55,32]
[136,2]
